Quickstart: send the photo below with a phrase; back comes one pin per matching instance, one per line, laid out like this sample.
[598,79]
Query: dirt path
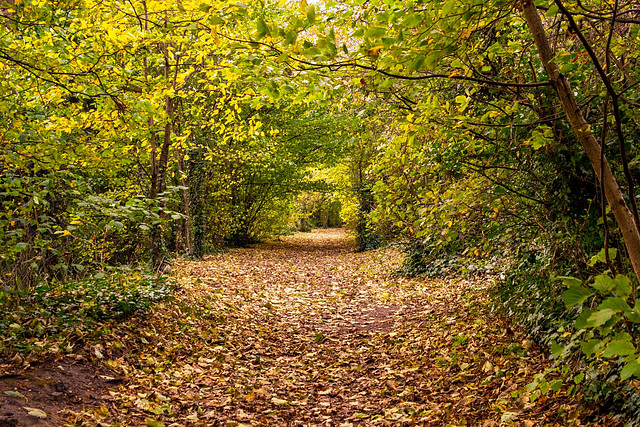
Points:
[304,331]
[309,333]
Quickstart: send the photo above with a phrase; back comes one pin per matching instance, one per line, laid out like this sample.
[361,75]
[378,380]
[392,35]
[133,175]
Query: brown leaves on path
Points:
[304,331]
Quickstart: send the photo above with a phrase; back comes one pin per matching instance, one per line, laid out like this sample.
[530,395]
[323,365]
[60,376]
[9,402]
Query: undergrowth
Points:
[427,258]
[528,296]
[52,318]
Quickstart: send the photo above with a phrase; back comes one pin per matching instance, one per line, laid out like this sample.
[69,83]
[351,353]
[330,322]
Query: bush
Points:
[64,312]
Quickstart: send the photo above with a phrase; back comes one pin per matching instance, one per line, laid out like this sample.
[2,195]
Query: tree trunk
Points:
[186,224]
[581,128]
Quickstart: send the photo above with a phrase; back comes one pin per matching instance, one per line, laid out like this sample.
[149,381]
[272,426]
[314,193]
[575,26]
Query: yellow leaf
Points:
[66,233]
[374,51]
[466,33]
[214,34]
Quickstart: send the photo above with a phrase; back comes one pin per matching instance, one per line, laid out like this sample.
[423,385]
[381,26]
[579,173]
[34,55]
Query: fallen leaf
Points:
[509,417]
[277,401]
[14,394]
[35,412]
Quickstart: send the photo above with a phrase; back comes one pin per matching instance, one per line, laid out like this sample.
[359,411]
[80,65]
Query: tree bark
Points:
[582,130]
[186,225]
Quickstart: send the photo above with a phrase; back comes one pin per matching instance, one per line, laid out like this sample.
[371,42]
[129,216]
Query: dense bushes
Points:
[53,317]
[60,226]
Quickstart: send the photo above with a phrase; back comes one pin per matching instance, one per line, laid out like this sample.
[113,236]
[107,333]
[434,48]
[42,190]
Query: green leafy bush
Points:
[64,312]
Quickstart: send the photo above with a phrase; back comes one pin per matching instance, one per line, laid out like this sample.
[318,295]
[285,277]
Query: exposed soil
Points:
[58,389]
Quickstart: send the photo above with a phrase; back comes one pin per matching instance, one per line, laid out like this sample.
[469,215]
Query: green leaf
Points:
[556,349]
[634,314]
[291,37]
[534,396]
[538,141]
[623,336]
[623,286]
[320,338]
[433,59]
[552,11]
[578,378]
[600,317]
[607,327]
[582,322]
[388,41]
[311,14]
[619,348]
[599,257]
[576,295]
[263,28]
[448,7]
[556,385]
[216,20]
[603,283]
[544,386]
[569,281]
[456,63]
[618,305]
[566,68]
[461,99]
[416,64]
[630,369]
[374,32]
[495,48]
[14,394]
[591,346]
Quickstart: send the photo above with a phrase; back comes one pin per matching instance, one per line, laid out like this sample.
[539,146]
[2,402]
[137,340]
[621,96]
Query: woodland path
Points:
[299,332]
[309,332]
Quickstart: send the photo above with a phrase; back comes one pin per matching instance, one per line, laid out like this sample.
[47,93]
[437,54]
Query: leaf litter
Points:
[305,331]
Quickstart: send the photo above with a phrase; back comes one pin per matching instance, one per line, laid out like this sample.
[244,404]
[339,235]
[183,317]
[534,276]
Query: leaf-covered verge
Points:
[304,331]
[58,318]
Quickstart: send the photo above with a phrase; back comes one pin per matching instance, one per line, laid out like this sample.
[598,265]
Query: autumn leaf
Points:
[34,412]
[374,51]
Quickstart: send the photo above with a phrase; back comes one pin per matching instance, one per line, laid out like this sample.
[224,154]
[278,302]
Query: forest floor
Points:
[300,331]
